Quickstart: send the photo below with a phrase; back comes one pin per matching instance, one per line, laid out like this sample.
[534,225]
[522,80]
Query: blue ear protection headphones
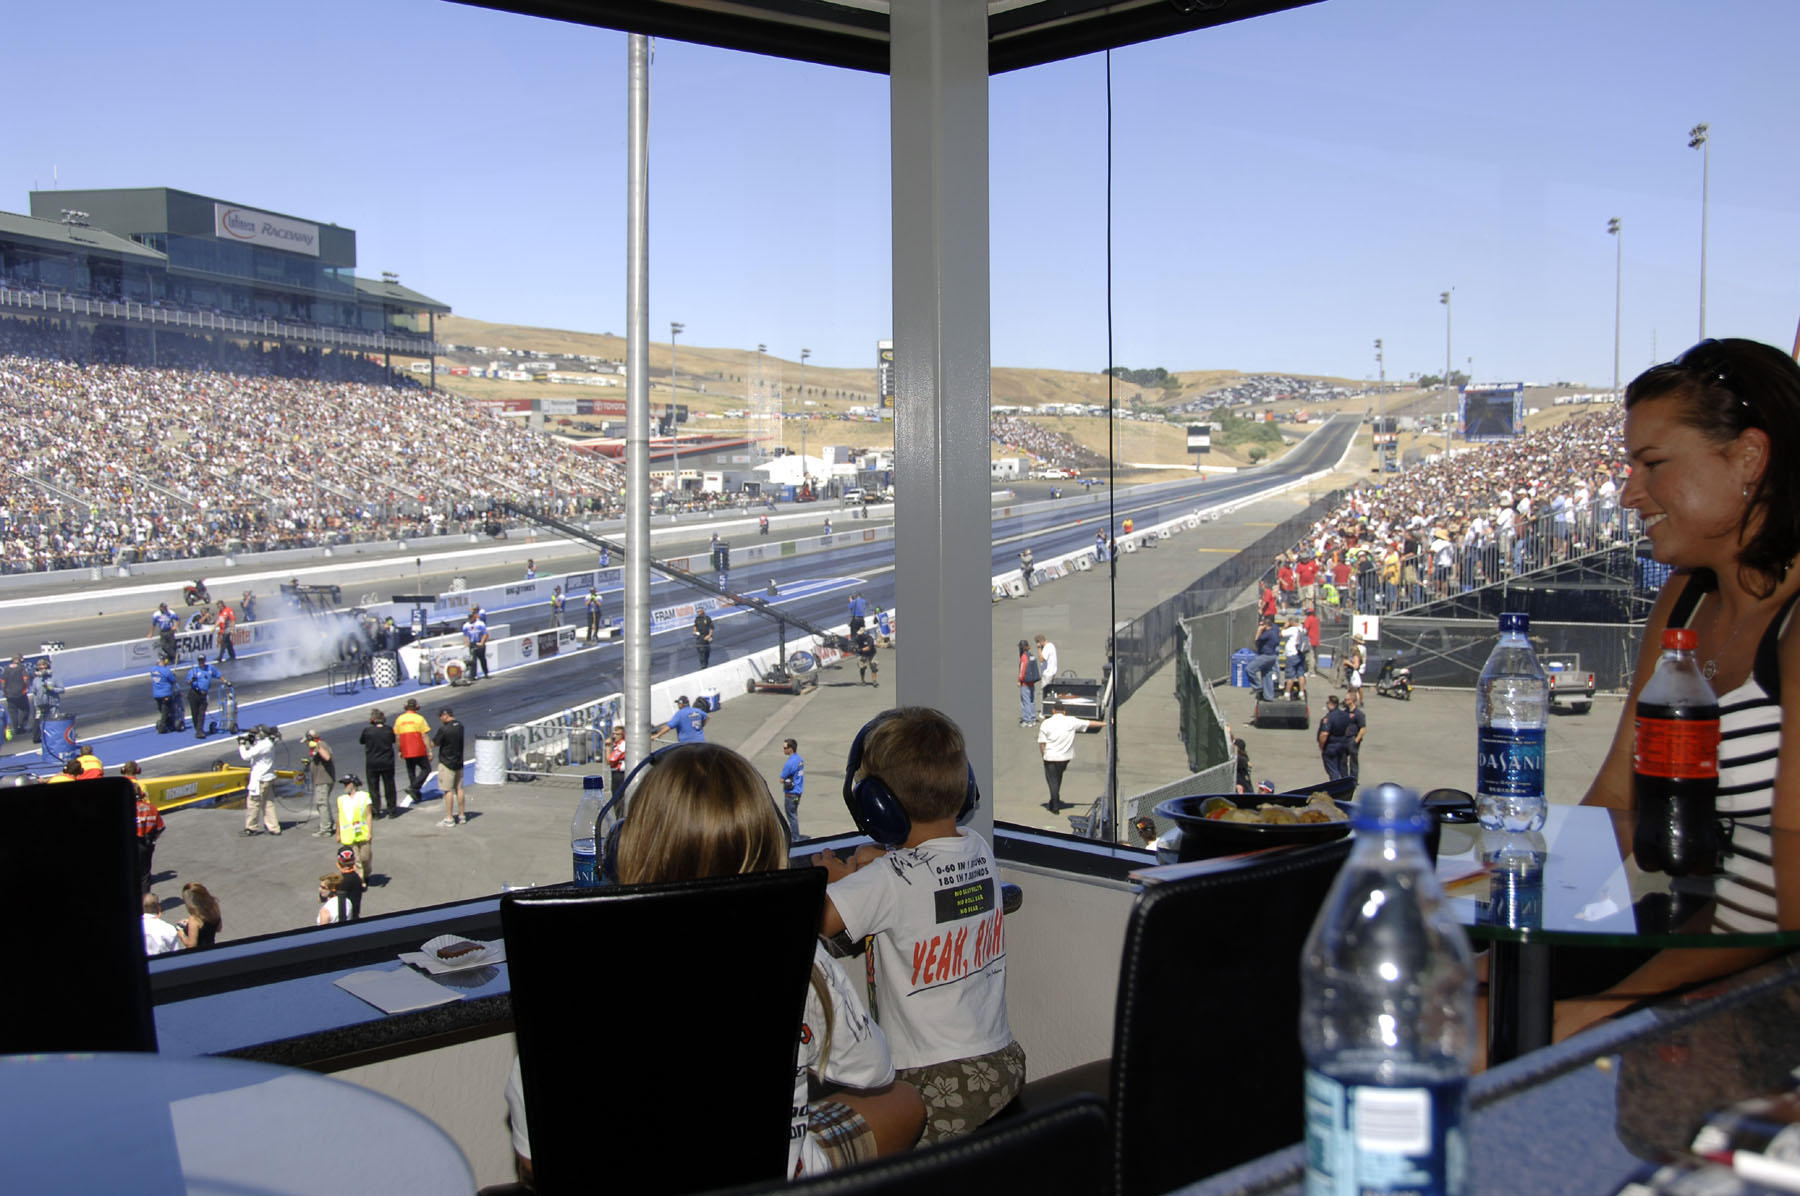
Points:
[877,811]
[606,834]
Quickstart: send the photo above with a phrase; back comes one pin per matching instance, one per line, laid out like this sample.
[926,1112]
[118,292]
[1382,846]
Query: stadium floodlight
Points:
[1698,139]
[1449,389]
[675,329]
[804,354]
[1617,229]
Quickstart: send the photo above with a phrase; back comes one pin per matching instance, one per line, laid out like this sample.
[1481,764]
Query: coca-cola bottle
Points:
[1675,764]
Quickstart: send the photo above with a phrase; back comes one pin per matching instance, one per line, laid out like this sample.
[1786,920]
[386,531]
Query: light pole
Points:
[762,400]
[1449,393]
[675,330]
[1617,229]
[804,354]
[1381,417]
[1697,140]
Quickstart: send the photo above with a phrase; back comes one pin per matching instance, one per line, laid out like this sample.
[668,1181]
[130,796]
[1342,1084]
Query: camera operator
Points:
[321,773]
[257,748]
[46,697]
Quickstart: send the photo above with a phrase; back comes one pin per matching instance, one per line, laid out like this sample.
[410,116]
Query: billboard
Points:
[884,374]
[232,223]
[1492,411]
[1199,438]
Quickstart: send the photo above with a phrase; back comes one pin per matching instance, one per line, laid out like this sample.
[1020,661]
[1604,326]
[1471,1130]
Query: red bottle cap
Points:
[1684,638]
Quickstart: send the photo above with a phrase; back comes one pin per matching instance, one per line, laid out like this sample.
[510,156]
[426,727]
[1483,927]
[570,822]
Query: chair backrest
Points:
[70,851]
[650,1015]
[1058,1152]
[1206,1067]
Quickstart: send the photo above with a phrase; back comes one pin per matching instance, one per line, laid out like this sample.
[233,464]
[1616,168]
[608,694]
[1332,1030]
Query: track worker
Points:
[410,732]
[356,824]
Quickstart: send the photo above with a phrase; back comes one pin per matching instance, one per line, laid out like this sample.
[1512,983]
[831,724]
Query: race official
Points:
[793,783]
[556,606]
[162,627]
[703,637]
[593,616]
[46,696]
[162,688]
[688,723]
[1336,731]
[200,680]
[475,632]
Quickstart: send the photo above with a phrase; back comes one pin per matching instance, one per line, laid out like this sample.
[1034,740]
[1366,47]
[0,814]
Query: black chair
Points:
[82,983]
[1206,1068]
[1058,1152]
[655,1014]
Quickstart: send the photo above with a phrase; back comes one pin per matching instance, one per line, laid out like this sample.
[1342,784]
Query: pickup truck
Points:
[1570,687]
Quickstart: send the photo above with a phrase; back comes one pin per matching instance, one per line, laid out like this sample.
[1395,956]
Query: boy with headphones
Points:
[929,896]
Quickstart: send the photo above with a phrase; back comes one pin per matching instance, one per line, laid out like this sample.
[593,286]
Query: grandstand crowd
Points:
[120,463]
[1046,445]
[1468,518]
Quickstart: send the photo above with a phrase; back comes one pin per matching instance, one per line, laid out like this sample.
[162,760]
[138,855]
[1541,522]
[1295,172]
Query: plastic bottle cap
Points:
[1684,638]
[1515,622]
[1389,806]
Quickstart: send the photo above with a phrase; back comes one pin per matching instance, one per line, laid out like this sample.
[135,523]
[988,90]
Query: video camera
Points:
[260,731]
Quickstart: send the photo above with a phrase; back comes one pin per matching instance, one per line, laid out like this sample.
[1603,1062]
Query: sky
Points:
[1285,190]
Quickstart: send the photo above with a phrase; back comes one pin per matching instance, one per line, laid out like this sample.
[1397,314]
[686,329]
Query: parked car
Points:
[1570,687]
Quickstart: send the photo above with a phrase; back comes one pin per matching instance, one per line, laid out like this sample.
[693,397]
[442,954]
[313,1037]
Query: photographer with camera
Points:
[257,748]
[46,698]
[321,773]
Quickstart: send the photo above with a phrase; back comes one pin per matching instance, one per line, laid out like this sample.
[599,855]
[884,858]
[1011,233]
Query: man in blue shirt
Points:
[859,612]
[688,723]
[1268,654]
[162,627]
[162,688]
[793,783]
[200,679]
[475,631]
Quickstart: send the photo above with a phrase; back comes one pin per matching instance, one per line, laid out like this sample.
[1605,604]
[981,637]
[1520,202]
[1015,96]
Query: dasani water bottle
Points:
[1512,708]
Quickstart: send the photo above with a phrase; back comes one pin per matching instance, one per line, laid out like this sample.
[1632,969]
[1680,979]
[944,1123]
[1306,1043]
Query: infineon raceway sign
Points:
[260,228]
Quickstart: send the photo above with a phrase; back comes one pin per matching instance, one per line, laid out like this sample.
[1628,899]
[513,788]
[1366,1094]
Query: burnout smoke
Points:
[301,646]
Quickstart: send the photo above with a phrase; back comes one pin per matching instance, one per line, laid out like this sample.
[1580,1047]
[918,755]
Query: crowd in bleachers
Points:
[1466,519]
[118,463]
[1047,446]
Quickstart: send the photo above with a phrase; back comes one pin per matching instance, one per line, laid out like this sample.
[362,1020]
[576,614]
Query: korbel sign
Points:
[260,228]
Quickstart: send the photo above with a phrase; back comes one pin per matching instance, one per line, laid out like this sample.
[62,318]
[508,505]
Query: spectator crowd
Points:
[118,463]
[1476,516]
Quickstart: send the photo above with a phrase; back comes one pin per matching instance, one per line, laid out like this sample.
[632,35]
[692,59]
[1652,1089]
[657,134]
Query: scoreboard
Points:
[1493,411]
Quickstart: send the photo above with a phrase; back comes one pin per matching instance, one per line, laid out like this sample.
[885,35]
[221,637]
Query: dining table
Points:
[1573,885]
[151,1123]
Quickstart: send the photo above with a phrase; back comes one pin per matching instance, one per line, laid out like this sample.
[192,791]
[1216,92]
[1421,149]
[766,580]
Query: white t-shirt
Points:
[159,937]
[940,947]
[1048,654]
[859,1057]
[1057,734]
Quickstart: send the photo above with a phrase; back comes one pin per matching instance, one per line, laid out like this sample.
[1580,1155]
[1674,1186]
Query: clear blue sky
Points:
[1286,190]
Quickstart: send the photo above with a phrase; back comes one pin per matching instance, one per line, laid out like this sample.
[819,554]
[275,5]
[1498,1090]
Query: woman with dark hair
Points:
[201,927]
[1713,438]
[1028,679]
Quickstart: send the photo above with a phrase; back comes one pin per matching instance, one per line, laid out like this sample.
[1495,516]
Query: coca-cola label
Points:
[1684,749]
[1509,763]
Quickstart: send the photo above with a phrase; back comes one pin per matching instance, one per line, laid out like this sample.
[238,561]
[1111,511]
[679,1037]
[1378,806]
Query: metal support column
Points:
[939,127]
[637,408]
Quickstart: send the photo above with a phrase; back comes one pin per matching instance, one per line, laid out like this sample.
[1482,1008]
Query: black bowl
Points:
[1204,838]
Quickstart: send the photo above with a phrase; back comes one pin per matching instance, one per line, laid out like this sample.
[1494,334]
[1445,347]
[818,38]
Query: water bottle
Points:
[581,830]
[1512,708]
[1675,763]
[1387,1010]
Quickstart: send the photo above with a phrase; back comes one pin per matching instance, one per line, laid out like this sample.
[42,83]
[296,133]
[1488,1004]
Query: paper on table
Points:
[399,991]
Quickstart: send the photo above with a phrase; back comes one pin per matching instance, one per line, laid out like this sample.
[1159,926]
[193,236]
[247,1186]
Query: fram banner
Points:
[682,613]
[252,227]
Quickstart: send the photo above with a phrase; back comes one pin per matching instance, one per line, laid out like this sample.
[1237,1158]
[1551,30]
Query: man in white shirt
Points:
[1056,744]
[159,937]
[1046,659]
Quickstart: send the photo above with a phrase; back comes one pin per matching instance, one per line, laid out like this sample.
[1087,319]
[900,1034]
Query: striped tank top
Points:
[1749,745]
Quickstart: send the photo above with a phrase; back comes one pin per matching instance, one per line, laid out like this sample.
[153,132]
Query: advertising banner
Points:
[252,227]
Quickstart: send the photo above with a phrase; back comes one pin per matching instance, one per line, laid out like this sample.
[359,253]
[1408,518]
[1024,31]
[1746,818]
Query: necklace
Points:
[1710,667]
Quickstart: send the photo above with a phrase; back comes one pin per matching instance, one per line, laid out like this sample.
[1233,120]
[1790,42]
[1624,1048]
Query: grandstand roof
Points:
[393,292]
[854,33]
[56,234]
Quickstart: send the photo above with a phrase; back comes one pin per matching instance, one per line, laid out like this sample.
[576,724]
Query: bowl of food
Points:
[1216,824]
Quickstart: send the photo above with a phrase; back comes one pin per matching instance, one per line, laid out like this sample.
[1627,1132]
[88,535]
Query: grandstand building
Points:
[120,271]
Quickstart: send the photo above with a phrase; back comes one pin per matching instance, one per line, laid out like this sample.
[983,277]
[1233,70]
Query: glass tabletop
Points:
[1574,882]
